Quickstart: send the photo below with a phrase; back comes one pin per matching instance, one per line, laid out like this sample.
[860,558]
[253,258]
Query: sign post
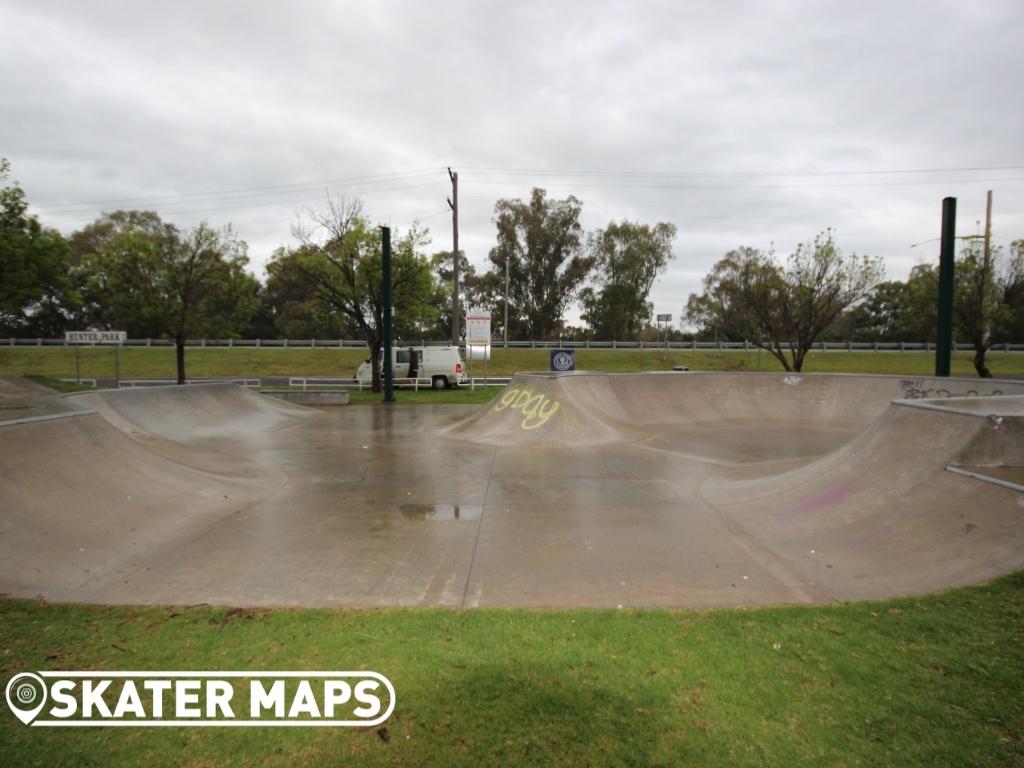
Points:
[478,334]
[666,319]
[92,338]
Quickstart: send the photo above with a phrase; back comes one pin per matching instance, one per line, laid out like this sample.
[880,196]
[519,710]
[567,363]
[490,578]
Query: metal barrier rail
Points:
[824,346]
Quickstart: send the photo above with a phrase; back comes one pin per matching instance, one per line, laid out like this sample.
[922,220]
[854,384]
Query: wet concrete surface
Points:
[366,516]
[399,506]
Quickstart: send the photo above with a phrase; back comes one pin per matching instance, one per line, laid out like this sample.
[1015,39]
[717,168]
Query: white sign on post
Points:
[478,338]
[478,326]
[95,337]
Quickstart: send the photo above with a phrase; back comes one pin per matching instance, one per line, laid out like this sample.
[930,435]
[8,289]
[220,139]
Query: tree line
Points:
[132,271]
[129,270]
[821,294]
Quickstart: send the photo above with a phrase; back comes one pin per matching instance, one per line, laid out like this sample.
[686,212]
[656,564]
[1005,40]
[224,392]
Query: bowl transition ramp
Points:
[85,507]
[193,412]
[22,400]
[883,509]
[585,408]
[603,490]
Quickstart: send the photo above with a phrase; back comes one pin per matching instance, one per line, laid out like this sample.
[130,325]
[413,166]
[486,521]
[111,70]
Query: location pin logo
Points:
[26,695]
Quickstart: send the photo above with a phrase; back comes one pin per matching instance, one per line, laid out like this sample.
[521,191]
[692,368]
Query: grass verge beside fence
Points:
[159,362]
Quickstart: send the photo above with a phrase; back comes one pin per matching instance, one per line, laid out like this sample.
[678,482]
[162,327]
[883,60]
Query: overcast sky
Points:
[740,122]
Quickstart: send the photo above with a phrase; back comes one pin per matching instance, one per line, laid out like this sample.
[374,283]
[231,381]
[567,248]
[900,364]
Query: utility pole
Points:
[986,286]
[988,231]
[453,203]
[506,302]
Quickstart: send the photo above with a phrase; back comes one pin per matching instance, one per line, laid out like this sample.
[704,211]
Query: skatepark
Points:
[691,490]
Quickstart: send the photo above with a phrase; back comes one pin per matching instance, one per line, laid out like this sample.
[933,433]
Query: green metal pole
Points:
[944,338]
[385,236]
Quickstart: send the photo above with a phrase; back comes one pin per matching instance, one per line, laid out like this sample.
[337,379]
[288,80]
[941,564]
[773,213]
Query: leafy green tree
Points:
[749,296]
[291,301]
[628,258]
[1011,280]
[112,259]
[979,308]
[341,258]
[489,292]
[148,279]
[920,318]
[540,241]
[894,311]
[34,263]
[469,291]
[876,318]
[744,300]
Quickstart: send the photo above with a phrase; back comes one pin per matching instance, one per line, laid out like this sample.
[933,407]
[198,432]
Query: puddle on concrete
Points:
[442,511]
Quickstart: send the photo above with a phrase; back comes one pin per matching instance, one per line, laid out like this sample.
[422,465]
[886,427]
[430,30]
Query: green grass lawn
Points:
[936,681]
[158,362]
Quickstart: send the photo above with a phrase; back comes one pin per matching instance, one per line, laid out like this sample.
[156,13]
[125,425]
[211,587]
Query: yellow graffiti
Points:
[536,409]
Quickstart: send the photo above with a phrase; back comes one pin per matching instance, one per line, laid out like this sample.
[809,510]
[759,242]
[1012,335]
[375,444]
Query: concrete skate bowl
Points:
[96,486]
[604,490]
[836,486]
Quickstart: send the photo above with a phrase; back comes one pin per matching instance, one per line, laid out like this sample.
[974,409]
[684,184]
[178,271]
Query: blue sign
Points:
[563,360]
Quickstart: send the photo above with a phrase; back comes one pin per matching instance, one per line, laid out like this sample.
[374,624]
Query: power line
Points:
[690,174]
[215,194]
[756,186]
[76,217]
[298,187]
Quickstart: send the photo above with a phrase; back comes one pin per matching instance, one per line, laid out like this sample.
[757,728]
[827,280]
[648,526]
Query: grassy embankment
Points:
[937,680]
[158,362]
[54,363]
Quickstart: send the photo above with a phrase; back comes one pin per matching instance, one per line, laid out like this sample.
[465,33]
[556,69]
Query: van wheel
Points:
[439,382]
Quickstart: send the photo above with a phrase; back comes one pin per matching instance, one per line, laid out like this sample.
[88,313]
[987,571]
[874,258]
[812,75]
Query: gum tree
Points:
[147,278]
[540,242]
[989,297]
[34,264]
[340,255]
[783,308]
[628,257]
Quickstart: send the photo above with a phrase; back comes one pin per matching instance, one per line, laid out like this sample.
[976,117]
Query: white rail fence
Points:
[304,383]
[723,346]
[319,382]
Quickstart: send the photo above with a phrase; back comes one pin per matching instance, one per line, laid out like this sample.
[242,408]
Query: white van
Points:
[442,365]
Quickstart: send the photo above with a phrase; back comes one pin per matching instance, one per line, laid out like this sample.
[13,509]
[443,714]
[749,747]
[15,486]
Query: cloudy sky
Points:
[740,122]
